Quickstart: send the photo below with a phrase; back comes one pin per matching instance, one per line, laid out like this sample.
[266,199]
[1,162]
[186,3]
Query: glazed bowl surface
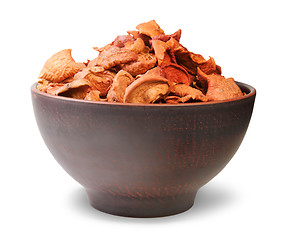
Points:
[142,160]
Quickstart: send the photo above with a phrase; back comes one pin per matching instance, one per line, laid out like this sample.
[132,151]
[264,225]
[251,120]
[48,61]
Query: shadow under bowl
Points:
[142,160]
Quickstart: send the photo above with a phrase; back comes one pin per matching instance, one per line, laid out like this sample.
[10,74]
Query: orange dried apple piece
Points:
[150,29]
[78,93]
[166,38]
[190,61]
[156,71]
[182,56]
[60,66]
[147,89]
[136,46]
[74,89]
[145,62]
[121,40]
[137,34]
[174,45]
[119,85]
[209,66]
[56,88]
[187,92]
[114,56]
[197,58]
[93,95]
[177,74]
[219,87]
[98,78]
[42,85]
[160,49]
[172,99]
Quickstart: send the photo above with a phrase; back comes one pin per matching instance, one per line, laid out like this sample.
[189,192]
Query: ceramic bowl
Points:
[145,160]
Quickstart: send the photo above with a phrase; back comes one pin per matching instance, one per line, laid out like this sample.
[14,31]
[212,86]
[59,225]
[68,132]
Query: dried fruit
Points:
[165,38]
[60,66]
[145,66]
[98,78]
[114,56]
[177,74]
[145,62]
[187,92]
[160,49]
[136,46]
[121,40]
[75,89]
[146,89]
[150,29]
[120,83]
[157,71]
[219,87]
[93,95]
[172,99]
[137,34]
[43,85]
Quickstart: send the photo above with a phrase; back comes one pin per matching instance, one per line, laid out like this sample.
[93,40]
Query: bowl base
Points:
[140,207]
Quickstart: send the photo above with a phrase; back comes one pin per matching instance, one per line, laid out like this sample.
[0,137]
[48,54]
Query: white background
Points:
[247,200]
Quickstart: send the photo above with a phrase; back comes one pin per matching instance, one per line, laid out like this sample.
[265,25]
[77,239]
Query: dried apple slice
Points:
[145,62]
[160,49]
[147,89]
[75,89]
[166,38]
[121,40]
[119,85]
[137,34]
[98,78]
[219,87]
[172,99]
[177,74]
[150,29]
[187,92]
[114,56]
[93,95]
[136,46]
[60,66]
[42,85]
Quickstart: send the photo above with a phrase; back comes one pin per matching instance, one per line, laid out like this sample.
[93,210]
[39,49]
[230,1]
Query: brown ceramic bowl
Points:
[142,160]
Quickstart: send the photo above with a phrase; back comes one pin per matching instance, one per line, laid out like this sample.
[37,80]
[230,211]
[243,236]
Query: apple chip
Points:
[60,66]
[156,71]
[75,89]
[136,46]
[160,49]
[187,92]
[120,83]
[166,38]
[114,56]
[171,99]
[145,62]
[147,89]
[93,95]
[137,35]
[150,29]
[219,87]
[121,40]
[43,85]
[177,74]
[98,78]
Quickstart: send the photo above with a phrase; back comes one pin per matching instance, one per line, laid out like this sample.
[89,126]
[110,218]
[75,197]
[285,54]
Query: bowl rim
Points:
[69,99]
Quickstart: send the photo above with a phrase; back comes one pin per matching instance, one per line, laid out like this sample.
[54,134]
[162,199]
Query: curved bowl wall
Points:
[142,160]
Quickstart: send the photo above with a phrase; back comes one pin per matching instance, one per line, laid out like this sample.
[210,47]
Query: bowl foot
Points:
[140,207]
